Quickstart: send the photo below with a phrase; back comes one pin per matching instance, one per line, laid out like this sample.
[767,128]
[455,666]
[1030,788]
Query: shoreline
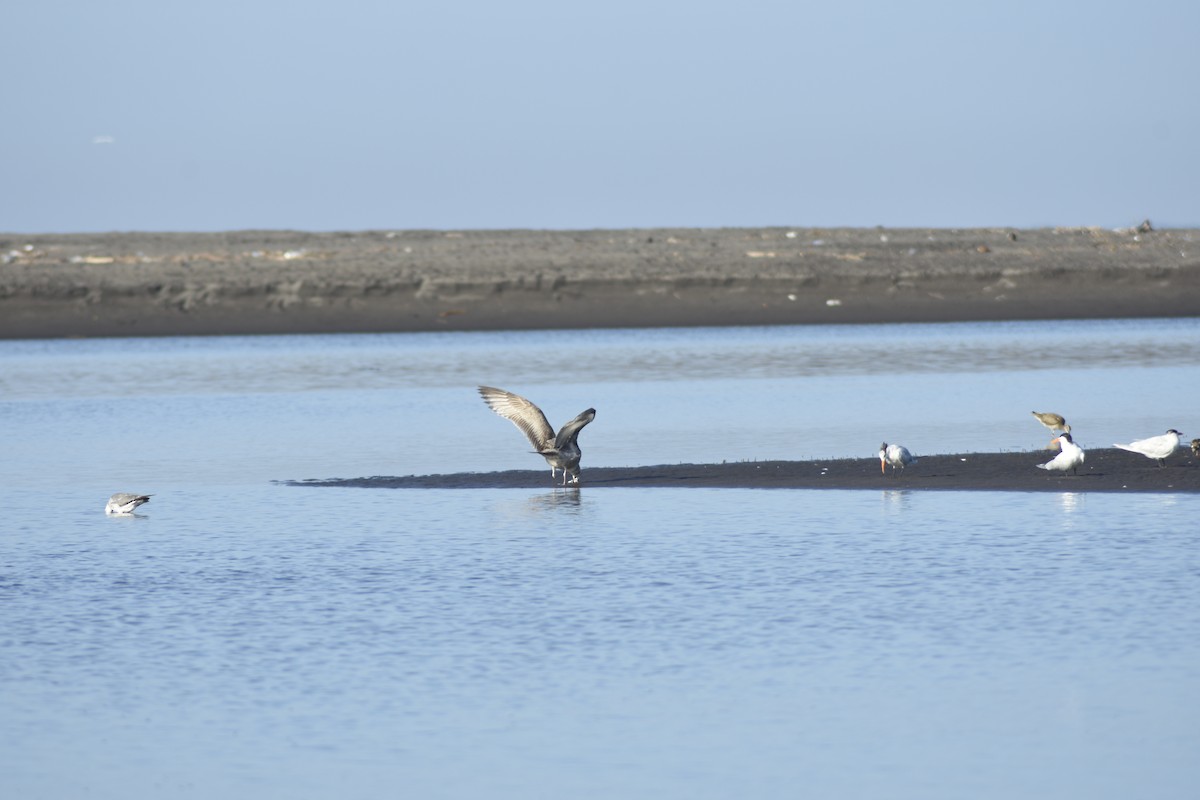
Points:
[1106,470]
[274,282]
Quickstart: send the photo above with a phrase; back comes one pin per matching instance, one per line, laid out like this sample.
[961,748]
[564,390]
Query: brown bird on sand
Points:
[1054,422]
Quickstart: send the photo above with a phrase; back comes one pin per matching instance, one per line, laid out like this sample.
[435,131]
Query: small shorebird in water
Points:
[123,503]
[561,451]
[1196,447]
[1054,422]
[1156,447]
[1070,456]
[895,455]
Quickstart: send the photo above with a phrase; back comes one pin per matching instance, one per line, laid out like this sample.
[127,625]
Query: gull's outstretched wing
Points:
[570,431]
[522,413]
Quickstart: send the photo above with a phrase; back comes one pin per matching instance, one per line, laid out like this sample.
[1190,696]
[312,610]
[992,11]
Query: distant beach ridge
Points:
[251,282]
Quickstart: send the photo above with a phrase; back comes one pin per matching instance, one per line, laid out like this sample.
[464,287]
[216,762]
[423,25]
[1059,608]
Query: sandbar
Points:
[272,282]
[1105,470]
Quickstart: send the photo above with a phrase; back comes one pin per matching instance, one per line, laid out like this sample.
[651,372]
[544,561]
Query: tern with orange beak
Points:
[894,455]
[1070,456]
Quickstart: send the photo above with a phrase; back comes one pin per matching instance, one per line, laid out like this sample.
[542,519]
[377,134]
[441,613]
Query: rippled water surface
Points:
[242,638]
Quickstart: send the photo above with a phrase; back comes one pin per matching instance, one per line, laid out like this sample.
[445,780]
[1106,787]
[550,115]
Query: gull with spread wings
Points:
[561,451]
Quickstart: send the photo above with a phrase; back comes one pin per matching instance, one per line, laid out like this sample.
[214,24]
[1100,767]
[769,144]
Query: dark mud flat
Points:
[1108,470]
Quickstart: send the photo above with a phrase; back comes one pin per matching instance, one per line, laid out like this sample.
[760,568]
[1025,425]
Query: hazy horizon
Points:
[131,116]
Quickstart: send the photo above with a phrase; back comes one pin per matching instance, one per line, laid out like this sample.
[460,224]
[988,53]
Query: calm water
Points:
[246,639]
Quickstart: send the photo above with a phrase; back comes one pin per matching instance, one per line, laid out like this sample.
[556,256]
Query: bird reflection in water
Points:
[568,497]
[895,499]
[1070,502]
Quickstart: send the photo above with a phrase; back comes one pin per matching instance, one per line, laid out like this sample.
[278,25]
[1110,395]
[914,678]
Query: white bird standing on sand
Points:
[561,451]
[1070,456]
[894,454]
[1156,447]
[1054,422]
[123,503]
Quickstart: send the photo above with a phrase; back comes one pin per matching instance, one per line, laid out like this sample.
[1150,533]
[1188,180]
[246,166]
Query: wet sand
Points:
[248,282]
[1106,470]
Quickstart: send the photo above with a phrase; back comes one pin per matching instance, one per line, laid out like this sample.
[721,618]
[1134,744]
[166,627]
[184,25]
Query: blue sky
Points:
[138,115]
